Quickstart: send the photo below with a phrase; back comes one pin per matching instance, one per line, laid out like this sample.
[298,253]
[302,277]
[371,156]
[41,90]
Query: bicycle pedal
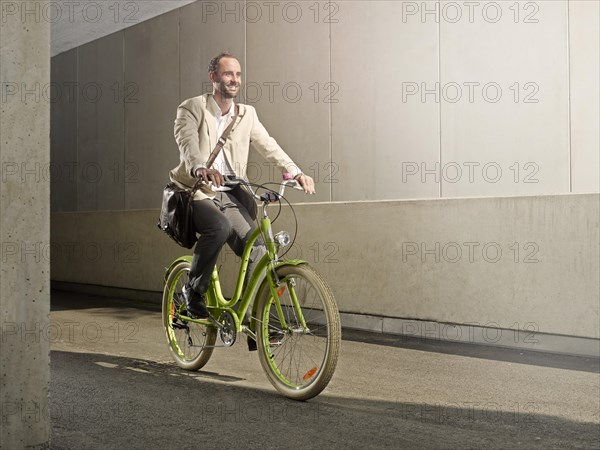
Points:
[275,341]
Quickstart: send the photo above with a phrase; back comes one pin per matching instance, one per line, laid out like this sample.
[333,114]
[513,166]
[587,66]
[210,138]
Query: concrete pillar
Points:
[24,225]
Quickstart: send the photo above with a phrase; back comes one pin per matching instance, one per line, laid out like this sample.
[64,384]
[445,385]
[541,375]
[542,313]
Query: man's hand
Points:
[211,175]
[306,182]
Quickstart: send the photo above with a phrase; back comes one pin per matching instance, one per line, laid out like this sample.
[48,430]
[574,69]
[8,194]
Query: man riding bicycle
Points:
[221,213]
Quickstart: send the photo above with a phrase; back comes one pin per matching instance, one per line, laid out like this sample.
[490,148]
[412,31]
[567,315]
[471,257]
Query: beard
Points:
[228,90]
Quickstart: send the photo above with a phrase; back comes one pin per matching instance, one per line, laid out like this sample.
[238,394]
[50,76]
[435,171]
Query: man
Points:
[222,214]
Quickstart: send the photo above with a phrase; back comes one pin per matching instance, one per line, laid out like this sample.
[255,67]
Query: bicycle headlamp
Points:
[282,238]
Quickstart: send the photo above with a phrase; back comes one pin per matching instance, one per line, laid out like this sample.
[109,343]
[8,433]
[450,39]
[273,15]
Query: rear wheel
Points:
[299,359]
[191,344]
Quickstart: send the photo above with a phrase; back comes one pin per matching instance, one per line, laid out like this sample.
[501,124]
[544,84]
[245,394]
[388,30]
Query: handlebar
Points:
[267,197]
[292,183]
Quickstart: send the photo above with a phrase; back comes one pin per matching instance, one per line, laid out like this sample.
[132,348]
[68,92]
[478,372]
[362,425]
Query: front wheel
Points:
[298,333]
[191,344]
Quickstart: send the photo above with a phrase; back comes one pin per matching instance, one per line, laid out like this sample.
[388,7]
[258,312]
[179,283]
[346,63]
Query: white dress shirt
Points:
[221,164]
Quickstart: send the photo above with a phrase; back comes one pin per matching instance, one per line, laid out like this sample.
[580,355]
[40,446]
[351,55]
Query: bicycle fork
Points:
[277,289]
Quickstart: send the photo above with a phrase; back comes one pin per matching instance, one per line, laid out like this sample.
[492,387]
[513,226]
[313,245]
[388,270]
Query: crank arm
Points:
[208,321]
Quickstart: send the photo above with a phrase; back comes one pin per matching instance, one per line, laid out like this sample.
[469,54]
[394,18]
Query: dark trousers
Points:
[219,220]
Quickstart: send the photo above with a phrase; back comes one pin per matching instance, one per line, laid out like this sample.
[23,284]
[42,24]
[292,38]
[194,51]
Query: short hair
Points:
[214,63]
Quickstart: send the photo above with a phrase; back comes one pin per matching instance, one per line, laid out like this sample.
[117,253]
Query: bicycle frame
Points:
[217,303]
[294,322]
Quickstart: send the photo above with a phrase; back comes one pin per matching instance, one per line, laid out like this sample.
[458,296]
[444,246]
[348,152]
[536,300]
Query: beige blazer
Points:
[196,136]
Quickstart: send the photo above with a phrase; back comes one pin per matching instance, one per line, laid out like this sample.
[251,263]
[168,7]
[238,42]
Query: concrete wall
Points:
[380,101]
[520,262]
[24,224]
[375,99]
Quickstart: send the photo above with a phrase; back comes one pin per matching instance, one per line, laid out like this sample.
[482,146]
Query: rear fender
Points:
[186,258]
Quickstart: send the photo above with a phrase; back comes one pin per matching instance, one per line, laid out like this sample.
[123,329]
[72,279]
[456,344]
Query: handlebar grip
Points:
[289,180]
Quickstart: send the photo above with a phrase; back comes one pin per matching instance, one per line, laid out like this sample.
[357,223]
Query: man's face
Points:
[228,78]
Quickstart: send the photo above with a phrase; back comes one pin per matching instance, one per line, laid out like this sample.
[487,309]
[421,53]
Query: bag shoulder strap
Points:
[222,139]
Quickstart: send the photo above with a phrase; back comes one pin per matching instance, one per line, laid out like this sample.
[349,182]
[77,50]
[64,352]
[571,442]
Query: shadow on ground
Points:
[102,401]
[532,358]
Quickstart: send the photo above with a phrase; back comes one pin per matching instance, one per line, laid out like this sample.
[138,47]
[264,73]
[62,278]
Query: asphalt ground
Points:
[114,385]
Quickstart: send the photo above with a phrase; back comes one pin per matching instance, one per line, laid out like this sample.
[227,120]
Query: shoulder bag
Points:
[176,217]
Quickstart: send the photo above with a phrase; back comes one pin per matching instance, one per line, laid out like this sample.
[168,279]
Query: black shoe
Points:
[195,303]
[275,338]
[251,345]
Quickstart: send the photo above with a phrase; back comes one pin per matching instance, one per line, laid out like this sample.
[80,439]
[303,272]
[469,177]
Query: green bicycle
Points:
[294,319]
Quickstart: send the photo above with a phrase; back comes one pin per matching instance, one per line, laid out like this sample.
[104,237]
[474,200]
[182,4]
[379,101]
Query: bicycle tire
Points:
[299,363]
[190,344]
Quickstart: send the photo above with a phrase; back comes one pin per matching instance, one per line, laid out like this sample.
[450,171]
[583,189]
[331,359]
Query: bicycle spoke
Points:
[302,355]
[190,342]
